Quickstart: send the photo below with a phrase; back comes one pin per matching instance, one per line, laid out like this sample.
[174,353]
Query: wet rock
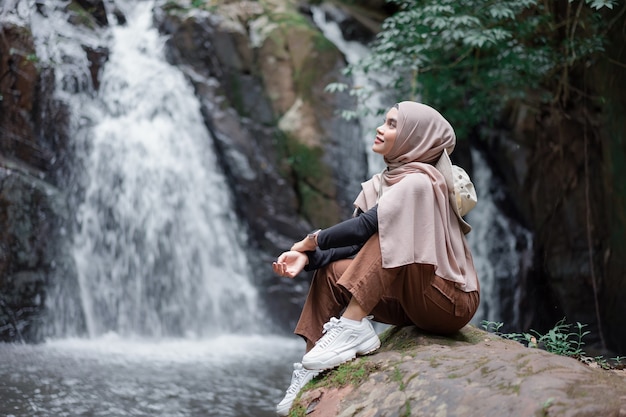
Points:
[88,13]
[18,89]
[30,210]
[97,58]
[34,157]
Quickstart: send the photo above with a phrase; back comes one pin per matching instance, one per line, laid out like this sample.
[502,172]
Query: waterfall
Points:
[501,247]
[354,52]
[157,246]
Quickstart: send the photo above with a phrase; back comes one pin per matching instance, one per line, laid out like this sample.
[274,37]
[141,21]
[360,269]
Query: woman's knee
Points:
[330,274]
[441,307]
[325,282]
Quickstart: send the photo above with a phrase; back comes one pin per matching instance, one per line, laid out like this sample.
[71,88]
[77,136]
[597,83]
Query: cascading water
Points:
[157,246]
[502,250]
[354,52]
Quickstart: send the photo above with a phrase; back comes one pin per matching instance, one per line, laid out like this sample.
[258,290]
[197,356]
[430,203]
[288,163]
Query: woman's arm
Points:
[340,241]
[319,258]
[354,231]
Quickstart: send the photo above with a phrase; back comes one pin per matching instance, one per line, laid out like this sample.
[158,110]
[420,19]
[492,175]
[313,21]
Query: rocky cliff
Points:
[562,167]
[33,157]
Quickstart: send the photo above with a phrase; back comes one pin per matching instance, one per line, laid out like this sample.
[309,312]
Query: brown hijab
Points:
[415,221]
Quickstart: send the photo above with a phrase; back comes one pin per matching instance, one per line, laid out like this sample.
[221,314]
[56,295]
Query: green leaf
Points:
[599,4]
[501,11]
[336,87]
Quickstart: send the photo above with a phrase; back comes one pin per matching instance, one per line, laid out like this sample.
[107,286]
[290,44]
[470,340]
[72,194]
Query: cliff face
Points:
[472,373]
[33,153]
[563,167]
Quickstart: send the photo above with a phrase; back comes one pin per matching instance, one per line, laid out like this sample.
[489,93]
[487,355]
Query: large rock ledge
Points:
[473,373]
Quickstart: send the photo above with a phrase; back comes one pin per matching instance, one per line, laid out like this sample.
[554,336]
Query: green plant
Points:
[470,58]
[407,409]
[613,363]
[398,377]
[560,340]
[547,404]
[492,326]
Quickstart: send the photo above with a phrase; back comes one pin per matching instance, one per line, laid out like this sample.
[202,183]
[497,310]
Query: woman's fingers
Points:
[281,268]
[288,264]
[278,268]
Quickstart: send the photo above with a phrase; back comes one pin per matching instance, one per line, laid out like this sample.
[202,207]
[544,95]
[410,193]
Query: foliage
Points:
[470,58]
[560,340]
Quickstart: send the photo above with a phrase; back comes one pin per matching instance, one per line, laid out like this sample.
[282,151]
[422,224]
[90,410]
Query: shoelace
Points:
[296,378]
[331,330]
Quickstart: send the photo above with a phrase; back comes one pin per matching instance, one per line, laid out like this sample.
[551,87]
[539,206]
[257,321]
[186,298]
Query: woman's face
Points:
[386,133]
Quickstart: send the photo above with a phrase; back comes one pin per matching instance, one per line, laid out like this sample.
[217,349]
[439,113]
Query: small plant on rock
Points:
[561,339]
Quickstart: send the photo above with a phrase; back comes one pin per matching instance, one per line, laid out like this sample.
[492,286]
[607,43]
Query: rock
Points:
[90,13]
[32,250]
[96,9]
[97,58]
[18,81]
[472,373]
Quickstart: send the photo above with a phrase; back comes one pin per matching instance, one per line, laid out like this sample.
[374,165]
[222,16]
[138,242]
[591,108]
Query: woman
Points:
[412,263]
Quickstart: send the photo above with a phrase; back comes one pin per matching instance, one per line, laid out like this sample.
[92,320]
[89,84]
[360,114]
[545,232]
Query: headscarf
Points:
[415,221]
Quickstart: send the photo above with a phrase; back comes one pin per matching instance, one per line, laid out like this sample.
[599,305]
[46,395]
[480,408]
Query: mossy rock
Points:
[469,373]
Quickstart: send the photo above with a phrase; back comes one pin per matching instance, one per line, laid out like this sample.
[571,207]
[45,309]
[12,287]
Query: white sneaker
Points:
[341,342]
[299,378]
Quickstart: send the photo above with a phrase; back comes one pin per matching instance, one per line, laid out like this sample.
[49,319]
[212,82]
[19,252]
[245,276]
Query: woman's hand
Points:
[289,264]
[309,243]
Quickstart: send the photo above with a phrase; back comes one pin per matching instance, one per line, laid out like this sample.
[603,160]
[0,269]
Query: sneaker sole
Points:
[364,348]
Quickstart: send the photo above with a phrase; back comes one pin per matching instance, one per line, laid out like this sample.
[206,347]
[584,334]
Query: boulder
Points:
[471,373]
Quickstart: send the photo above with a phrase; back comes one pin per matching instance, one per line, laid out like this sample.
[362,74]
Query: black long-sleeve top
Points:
[344,239]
